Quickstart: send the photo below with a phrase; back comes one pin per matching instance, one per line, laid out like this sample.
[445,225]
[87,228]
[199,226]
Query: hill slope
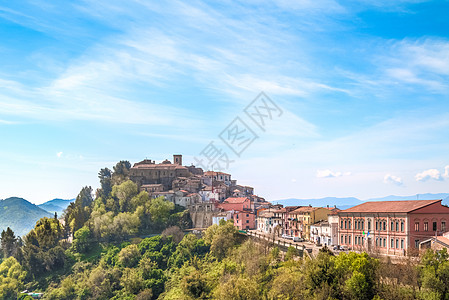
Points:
[20,215]
[56,205]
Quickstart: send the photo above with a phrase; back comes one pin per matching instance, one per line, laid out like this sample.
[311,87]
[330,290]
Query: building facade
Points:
[300,220]
[391,227]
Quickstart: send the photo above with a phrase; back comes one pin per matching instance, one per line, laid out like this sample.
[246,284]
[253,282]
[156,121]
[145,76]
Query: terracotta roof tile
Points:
[236,200]
[390,206]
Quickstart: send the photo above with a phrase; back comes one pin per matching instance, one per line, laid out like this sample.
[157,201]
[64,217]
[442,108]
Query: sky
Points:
[358,92]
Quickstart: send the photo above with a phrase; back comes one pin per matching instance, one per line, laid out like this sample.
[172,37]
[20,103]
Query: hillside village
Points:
[392,228]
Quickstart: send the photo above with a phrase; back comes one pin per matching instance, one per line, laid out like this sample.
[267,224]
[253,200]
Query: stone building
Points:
[148,172]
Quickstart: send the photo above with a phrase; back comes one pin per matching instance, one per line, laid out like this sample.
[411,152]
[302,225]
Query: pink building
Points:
[391,227]
[244,220]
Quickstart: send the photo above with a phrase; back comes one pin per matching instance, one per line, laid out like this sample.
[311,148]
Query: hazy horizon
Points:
[361,90]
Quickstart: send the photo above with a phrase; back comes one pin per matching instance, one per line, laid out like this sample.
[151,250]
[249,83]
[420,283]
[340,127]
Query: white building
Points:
[321,233]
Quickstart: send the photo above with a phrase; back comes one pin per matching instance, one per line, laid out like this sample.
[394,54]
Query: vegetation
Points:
[128,246]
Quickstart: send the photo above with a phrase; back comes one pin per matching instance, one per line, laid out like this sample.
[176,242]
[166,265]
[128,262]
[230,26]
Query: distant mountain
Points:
[20,215]
[56,205]
[342,203]
[345,203]
[427,196]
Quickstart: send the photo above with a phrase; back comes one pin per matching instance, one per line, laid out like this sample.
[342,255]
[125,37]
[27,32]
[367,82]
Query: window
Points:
[385,225]
[385,242]
[426,226]
[397,226]
[402,226]
[247,221]
[416,226]
[416,244]
[349,224]
[369,225]
[363,225]
[391,243]
[391,226]
[341,239]
[377,241]
[349,239]
[397,244]
[341,225]
[443,226]
[346,239]
[247,215]
[346,224]
[377,228]
[434,226]
[237,216]
[402,244]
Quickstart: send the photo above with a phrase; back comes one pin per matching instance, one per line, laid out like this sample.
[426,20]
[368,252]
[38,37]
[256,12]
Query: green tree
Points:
[221,238]
[9,243]
[78,212]
[124,193]
[129,256]
[82,240]
[105,176]
[12,277]
[434,272]
[160,210]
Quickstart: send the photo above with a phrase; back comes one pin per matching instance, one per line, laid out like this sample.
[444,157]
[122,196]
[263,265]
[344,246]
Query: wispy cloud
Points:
[392,179]
[429,174]
[330,174]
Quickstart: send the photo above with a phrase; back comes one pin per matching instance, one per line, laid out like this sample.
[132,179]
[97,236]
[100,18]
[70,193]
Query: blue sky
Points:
[363,86]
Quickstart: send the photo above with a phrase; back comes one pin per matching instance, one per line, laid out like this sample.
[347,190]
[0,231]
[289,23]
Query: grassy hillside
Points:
[20,215]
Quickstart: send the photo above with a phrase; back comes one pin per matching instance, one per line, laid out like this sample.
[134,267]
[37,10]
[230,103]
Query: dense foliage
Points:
[124,245]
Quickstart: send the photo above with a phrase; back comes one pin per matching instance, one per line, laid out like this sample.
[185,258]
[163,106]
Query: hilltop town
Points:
[394,228]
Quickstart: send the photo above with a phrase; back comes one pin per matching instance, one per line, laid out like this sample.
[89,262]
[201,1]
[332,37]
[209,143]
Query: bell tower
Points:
[177,159]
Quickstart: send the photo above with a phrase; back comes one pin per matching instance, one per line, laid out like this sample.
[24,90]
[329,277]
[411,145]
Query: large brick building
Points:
[391,227]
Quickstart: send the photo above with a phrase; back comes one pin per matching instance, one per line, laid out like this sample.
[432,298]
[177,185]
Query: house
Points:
[210,176]
[435,243]
[392,227]
[244,220]
[151,188]
[332,218]
[321,233]
[300,220]
[264,221]
[225,215]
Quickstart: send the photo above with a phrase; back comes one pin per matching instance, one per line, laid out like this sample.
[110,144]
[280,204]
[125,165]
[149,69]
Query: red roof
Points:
[305,209]
[236,200]
[390,206]
[212,173]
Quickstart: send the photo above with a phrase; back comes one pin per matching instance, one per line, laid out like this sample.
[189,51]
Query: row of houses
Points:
[385,227]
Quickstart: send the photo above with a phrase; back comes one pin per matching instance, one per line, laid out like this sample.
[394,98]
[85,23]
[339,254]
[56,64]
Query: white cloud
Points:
[59,154]
[446,172]
[428,174]
[393,179]
[330,174]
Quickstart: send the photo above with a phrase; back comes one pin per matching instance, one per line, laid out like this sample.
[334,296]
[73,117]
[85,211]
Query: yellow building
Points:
[300,219]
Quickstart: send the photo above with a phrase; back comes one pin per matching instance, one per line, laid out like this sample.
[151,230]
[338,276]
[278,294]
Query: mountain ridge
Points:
[347,202]
[20,215]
